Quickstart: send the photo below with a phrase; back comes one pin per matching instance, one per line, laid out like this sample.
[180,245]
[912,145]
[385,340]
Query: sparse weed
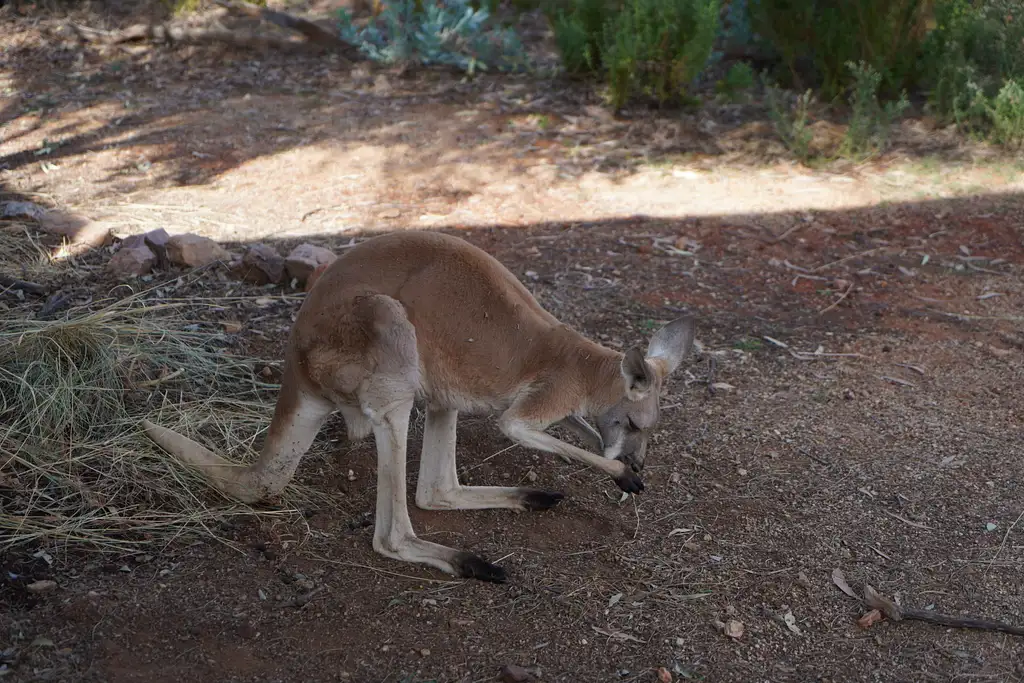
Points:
[737,82]
[791,121]
[650,47]
[870,121]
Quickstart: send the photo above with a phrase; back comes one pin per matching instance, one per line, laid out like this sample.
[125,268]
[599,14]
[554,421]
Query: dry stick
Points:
[894,612]
[1003,543]
[316,36]
[313,33]
[837,301]
[30,287]
[845,259]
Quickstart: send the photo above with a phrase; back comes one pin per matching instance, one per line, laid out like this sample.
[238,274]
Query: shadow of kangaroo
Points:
[423,315]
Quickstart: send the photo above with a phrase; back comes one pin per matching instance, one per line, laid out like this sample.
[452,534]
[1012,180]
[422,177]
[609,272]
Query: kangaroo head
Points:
[626,426]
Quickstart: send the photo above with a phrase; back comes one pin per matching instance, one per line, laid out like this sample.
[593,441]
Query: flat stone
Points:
[262,265]
[194,251]
[305,259]
[132,261]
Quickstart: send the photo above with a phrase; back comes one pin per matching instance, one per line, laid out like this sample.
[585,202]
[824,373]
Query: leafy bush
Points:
[738,80]
[815,39]
[654,47]
[791,121]
[1007,113]
[974,51]
[453,33]
[579,34]
[870,122]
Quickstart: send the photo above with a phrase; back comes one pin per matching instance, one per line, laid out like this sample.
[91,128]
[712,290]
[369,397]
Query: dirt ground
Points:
[899,461]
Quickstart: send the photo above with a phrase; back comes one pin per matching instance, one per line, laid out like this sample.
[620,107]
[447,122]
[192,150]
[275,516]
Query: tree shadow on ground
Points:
[887,463]
[139,117]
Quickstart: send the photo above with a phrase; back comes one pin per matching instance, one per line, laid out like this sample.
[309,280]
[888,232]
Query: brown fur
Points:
[424,315]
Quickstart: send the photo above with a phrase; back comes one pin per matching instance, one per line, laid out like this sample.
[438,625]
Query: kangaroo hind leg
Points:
[386,397]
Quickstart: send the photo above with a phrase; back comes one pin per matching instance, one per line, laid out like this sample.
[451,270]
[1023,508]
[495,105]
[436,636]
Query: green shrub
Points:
[579,34]
[870,121]
[791,121]
[815,39]
[653,47]
[972,49]
[1007,112]
[738,80]
[451,33]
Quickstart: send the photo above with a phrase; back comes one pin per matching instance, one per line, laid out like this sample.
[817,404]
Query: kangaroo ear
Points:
[671,343]
[637,373]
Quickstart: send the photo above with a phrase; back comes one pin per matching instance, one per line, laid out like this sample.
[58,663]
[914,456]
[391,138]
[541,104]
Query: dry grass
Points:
[23,257]
[74,465]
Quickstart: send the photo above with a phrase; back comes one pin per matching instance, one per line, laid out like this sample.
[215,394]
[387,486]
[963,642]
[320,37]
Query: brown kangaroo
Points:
[421,315]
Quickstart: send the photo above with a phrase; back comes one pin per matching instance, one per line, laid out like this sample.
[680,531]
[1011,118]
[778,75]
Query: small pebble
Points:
[44,586]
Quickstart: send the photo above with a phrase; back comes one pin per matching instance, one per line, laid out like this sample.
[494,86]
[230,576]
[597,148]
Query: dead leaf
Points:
[664,675]
[791,623]
[232,326]
[839,580]
[872,617]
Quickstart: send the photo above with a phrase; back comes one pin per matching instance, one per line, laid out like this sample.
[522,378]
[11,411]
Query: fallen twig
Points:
[905,520]
[897,380]
[838,301]
[30,287]
[908,366]
[894,612]
[844,259]
[160,380]
[316,37]
[712,371]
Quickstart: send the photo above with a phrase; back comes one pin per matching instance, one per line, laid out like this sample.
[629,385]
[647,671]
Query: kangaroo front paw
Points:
[629,481]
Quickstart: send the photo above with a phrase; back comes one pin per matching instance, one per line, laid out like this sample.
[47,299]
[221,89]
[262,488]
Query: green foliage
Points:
[815,39]
[1007,113]
[579,34]
[791,121]
[870,122]
[974,66]
[653,47]
[453,33]
[738,80]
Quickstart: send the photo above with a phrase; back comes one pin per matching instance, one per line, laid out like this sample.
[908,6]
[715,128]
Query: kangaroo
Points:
[420,315]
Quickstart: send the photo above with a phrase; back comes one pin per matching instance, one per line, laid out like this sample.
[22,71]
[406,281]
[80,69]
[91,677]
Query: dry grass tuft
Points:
[22,256]
[74,465]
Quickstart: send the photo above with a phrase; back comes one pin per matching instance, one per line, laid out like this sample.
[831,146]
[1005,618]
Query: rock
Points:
[133,261]
[261,265]
[305,259]
[193,251]
[154,240]
[513,673]
[44,586]
[29,210]
[315,275]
